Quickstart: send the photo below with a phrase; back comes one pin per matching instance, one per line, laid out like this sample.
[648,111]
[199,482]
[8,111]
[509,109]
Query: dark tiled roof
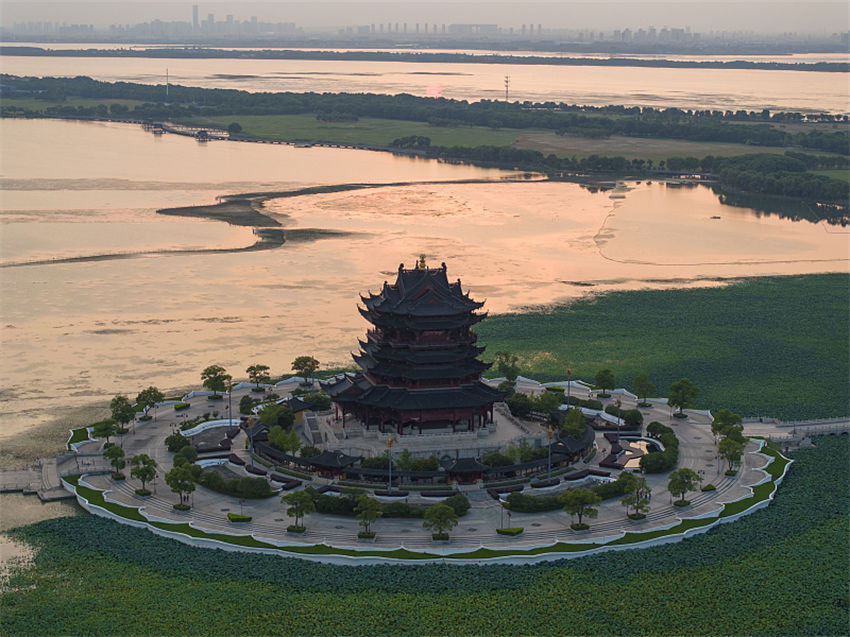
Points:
[467,465]
[474,394]
[422,292]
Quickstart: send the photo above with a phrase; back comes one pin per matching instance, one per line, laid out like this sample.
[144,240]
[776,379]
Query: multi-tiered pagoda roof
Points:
[419,361]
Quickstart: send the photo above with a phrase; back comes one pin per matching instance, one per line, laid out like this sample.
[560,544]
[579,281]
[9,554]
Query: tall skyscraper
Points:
[195,17]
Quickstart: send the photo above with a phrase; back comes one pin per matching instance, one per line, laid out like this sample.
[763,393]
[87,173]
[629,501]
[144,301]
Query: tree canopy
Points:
[215,378]
[305,366]
[147,398]
[682,394]
[604,379]
[681,481]
[440,518]
[581,502]
[122,409]
[258,374]
[507,364]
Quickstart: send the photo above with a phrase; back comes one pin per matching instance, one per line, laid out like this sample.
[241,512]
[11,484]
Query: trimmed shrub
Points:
[181,406]
[681,503]
[522,503]
[295,529]
[459,503]
[516,530]
[575,526]
[590,403]
[236,517]
[366,535]
[143,492]
[709,487]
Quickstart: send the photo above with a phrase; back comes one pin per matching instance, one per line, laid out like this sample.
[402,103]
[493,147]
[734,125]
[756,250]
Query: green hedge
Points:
[236,517]
[516,530]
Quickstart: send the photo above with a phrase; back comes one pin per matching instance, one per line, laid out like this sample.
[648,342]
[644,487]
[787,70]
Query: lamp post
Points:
[549,437]
[230,405]
[251,439]
[619,404]
[390,458]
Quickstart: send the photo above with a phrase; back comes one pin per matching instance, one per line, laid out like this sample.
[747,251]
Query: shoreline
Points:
[423,57]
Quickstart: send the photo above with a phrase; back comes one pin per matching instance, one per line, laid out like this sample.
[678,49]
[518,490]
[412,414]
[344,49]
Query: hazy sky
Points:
[700,15]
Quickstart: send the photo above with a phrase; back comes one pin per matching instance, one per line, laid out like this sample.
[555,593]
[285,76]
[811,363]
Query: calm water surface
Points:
[75,333]
[660,87]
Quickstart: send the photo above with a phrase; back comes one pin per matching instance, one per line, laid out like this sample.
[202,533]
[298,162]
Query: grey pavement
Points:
[476,528]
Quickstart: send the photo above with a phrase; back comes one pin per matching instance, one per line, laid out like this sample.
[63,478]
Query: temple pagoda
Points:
[419,360]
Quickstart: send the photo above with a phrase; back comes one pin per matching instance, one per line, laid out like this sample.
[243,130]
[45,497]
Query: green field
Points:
[366,131]
[40,106]
[843,175]
[381,132]
[774,346]
[779,571]
[655,149]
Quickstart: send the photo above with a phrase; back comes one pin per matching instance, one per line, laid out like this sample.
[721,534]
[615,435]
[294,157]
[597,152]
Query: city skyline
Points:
[821,18]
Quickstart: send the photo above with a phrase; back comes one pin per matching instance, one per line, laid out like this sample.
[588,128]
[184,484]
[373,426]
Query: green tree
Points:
[300,504]
[280,415]
[309,451]
[581,502]
[520,405]
[179,480]
[682,394]
[723,420]
[547,402]
[175,442]
[637,497]
[368,510]
[122,410]
[440,518]
[731,450]
[115,455]
[286,440]
[234,128]
[215,378]
[318,400]
[574,424]
[643,386]
[681,481]
[404,460]
[149,397]
[105,429]
[246,404]
[604,379]
[258,374]
[143,469]
[507,364]
[305,366]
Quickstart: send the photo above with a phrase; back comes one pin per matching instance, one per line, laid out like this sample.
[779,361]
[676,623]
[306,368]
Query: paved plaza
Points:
[477,528]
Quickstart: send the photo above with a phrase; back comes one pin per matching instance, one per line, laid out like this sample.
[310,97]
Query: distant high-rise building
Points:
[195,17]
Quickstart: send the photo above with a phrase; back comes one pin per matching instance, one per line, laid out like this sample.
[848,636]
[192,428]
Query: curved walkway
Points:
[476,529]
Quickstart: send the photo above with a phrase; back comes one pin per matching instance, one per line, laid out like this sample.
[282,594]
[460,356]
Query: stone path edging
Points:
[445,555]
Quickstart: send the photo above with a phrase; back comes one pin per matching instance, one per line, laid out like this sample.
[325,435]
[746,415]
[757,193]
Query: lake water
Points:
[74,333]
[723,89]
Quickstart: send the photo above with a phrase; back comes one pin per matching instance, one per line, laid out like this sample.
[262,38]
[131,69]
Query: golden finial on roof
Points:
[421,265]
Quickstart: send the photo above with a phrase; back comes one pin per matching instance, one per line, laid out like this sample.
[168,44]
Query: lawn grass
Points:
[769,346]
[78,435]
